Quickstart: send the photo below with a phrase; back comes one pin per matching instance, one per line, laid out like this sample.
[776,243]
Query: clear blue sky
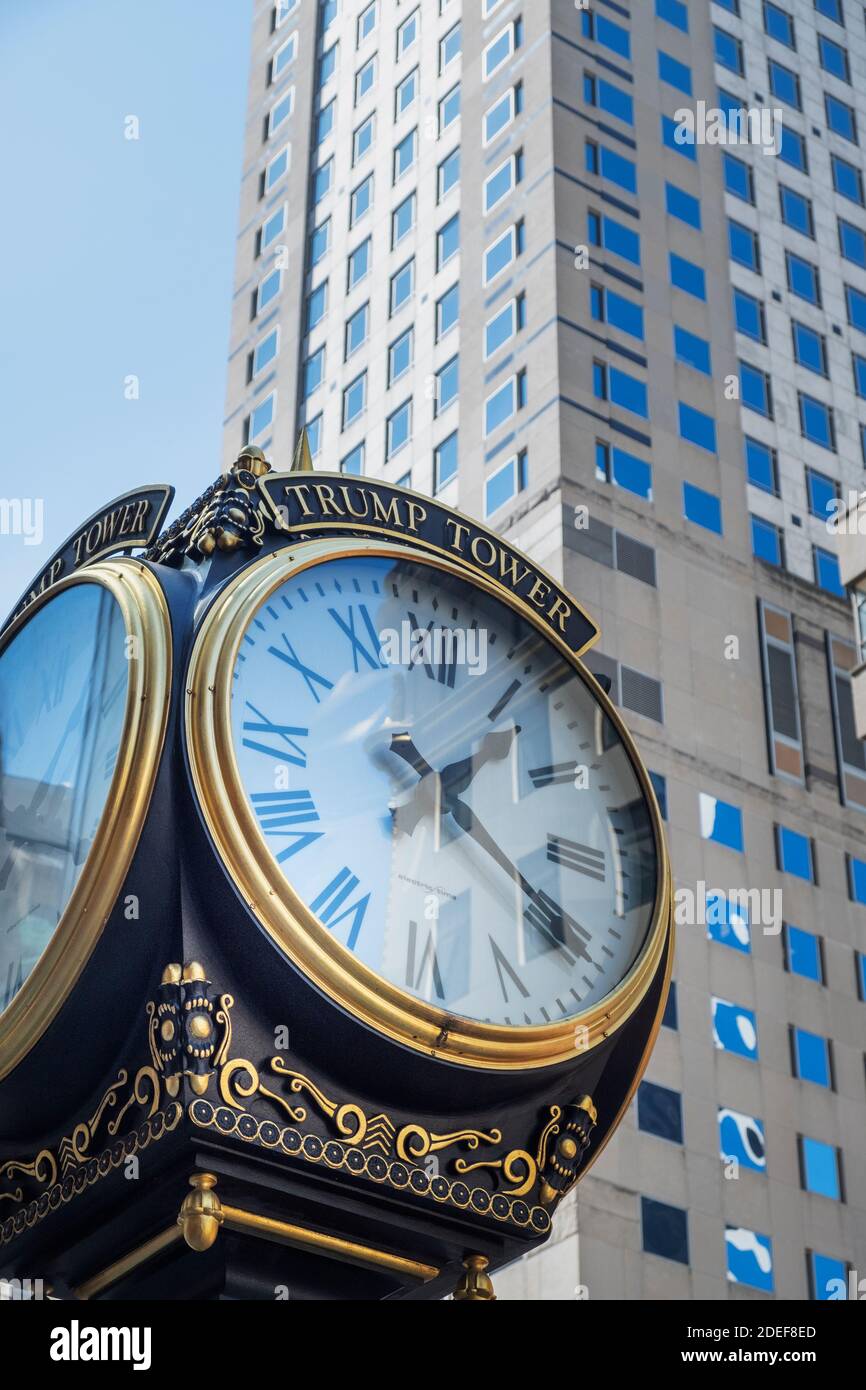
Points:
[116,256]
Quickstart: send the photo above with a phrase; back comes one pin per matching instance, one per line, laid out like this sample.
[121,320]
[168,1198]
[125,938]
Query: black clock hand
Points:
[550,910]
[454,778]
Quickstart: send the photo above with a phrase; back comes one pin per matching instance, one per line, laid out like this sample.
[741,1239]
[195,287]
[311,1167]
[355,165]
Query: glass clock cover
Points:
[63,687]
[443,790]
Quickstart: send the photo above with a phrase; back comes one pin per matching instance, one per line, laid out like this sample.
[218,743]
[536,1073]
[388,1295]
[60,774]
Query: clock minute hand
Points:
[552,912]
[453,779]
[494,746]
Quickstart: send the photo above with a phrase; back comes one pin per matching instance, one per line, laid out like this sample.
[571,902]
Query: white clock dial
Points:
[443,791]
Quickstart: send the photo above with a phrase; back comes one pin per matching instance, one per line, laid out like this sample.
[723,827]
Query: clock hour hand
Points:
[453,779]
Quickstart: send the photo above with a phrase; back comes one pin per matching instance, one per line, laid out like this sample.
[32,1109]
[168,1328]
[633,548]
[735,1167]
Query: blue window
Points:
[728,922]
[750,1258]
[743,245]
[362,200]
[728,51]
[317,302]
[702,508]
[402,220]
[859,365]
[319,242]
[447,386]
[354,399]
[660,787]
[660,1112]
[505,483]
[856,302]
[827,571]
[503,326]
[792,149]
[676,74]
[796,211]
[819,1168]
[683,206]
[810,349]
[852,243]
[756,390]
[354,460]
[448,241]
[614,236]
[739,179]
[761,466]
[612,166]
[402,286]
[325,122]
[608,307]
[268,289]
[262,417]
[692,350]
[502,405]
[448,311]
[857,879]
[735,1029]
[822,492]
[669,1017]
[811,1058]
[500,255]
[673,12]
[860,968]
[314,371]
[779,24]
[831,9]
[803,955]
[847,179]
[687,276]
[314,435]
[404,155]
[816,421]
[613,100]
[359,263]
[833,58]
[721,822]
[357,329]
[272,227]
[620,388]
[828,1278]
[617,466]
[605,32]
[794,854]
[400,357]
[398,429]
[323,177]
[327,65]
[448,177]
[741,1140]
[749,316]
[840,118]
[265,352]
[767,542]
[784,84]
[445,461]
[803,278]
[664,1230]
[678,137]
[700,429]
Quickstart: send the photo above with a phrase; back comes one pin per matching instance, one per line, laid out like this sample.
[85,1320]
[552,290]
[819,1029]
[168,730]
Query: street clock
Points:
[313,802]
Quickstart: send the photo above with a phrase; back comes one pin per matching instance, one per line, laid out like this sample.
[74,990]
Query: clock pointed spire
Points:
[303,460]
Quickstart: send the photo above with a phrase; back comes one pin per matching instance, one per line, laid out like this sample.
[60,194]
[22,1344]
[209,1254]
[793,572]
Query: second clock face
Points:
[443,791]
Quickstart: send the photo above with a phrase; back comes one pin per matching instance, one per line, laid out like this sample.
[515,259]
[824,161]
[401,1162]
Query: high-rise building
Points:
[530,257]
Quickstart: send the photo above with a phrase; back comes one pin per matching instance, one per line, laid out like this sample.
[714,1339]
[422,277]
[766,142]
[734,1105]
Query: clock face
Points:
[442,790]
[63,687]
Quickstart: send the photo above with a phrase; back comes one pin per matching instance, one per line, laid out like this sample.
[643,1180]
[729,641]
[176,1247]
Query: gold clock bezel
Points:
[288,920]
[146,618]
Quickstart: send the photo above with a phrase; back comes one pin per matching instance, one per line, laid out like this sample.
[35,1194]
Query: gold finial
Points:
[303,460]
[171,975]
[193,971]
[475,1286]
[201,1213]
[253,459]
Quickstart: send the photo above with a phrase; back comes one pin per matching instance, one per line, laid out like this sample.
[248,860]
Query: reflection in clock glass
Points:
[63,684]
[442,790]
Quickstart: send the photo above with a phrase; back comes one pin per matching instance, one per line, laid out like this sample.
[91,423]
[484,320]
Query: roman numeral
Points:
[428,967]
[311,677]
[287,732]
[446,672]
[572,855]
[557,927]
[373,657]
[332,898]
[505,968]
[554,774]
[278,811]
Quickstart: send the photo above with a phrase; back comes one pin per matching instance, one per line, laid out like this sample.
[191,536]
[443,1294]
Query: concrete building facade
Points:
[501,252]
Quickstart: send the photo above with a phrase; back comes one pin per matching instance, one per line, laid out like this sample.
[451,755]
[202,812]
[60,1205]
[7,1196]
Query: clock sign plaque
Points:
[312,803]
